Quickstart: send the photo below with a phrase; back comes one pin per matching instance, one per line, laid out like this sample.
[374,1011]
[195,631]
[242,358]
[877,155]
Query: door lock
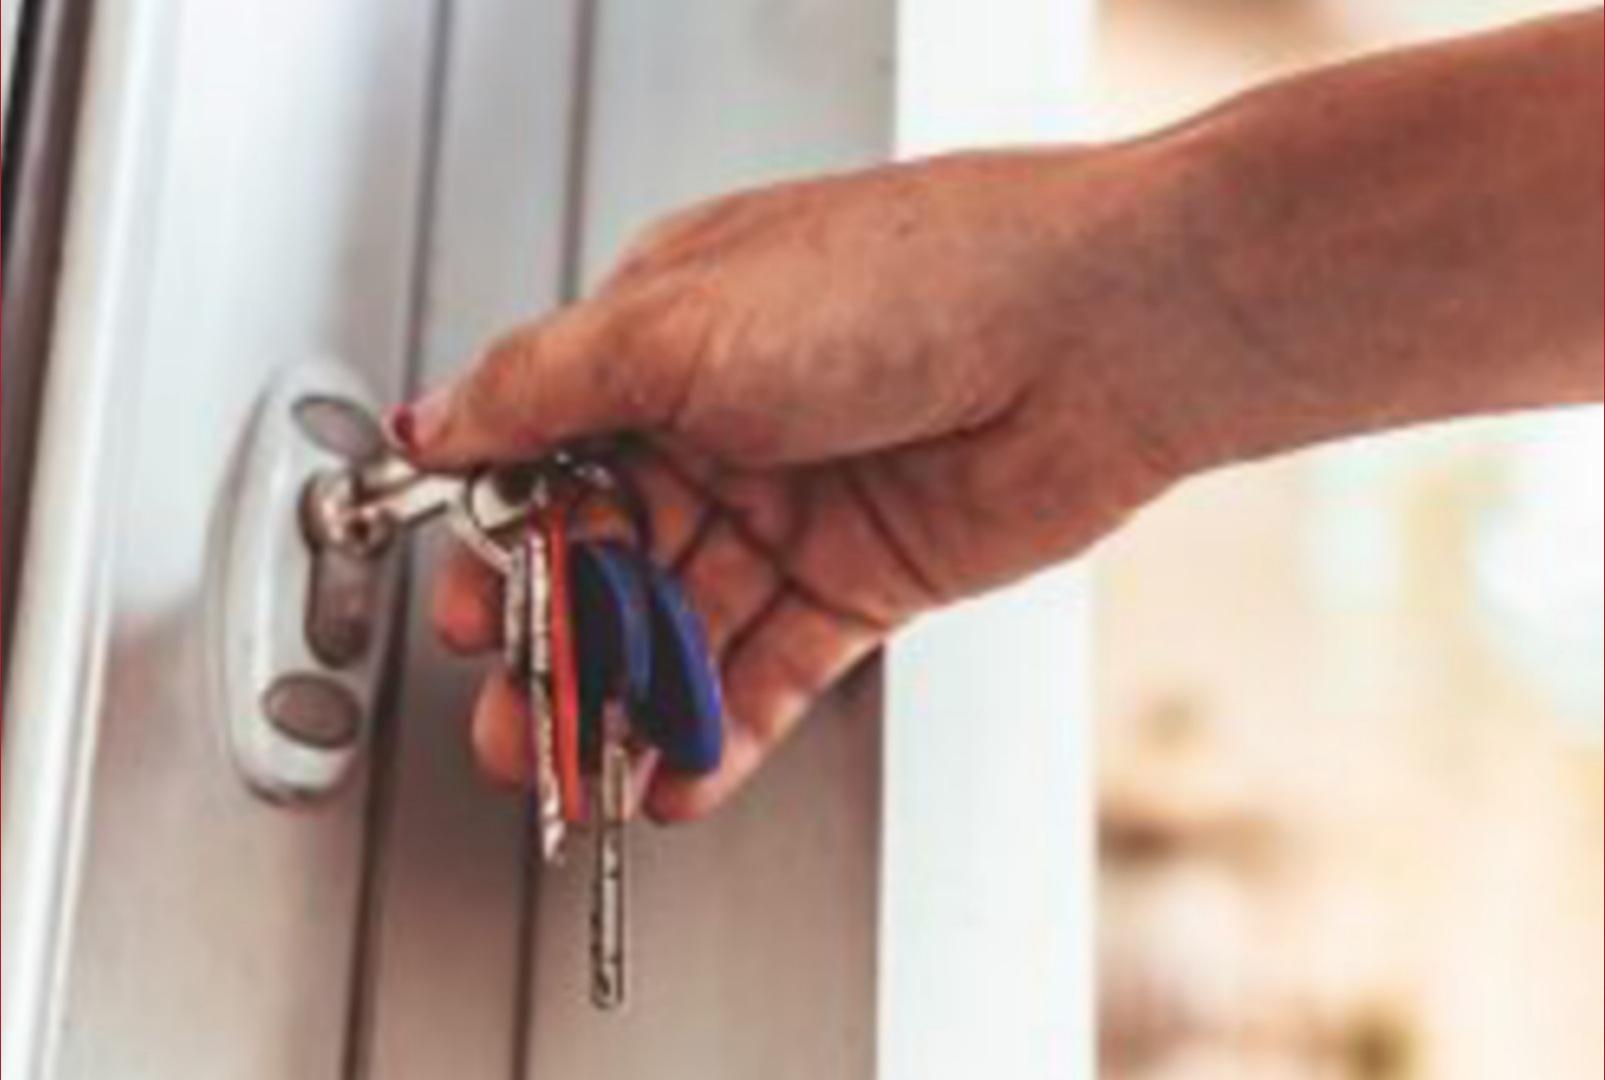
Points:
[305,571]
[301,600]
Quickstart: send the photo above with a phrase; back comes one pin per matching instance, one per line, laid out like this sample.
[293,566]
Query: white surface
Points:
[54,685]
[986,923]
[211,934]
[260,574]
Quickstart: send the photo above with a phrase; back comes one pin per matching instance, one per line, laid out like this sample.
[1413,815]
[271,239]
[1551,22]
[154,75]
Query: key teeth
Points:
[552,836]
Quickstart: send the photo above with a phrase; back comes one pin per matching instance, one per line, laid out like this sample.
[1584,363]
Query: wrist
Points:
[1152,349]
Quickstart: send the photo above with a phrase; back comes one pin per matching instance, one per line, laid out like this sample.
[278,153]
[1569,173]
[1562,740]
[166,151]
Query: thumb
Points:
[566,376]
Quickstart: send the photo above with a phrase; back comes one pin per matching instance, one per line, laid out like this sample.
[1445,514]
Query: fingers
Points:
[776,663]
[467,603]
[500,731]
[771,678]
[588,370]
[777,646]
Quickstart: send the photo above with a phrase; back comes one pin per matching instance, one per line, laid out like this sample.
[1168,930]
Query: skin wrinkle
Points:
[742,638]
[782,583]
[666,406]
[761,548]
[708,522]
[901,551]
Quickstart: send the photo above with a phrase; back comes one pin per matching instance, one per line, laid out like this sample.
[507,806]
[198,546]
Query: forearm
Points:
[1407,238]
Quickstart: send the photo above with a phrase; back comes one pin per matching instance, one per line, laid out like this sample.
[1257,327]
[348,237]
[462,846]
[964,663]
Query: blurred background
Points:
[1351,768]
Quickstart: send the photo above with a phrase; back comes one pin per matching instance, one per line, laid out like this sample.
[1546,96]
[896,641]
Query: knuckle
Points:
[496,391]
[496,748]
[462,619]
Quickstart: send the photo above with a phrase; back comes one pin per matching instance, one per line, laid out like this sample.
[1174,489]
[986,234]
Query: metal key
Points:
[528,599]
[609,971]
[361,510]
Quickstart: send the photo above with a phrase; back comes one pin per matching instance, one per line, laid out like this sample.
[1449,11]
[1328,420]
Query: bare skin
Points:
[858,398]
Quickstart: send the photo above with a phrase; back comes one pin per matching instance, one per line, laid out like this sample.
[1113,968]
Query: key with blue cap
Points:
[612,628]
[644,667]
[684,717]
[643,643]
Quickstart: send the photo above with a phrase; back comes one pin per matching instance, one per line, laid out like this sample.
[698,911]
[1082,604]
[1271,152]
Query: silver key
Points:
[534,669]
[515,612]
[362,509]
[609,935]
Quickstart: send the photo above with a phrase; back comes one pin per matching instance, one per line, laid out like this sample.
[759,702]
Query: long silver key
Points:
[530,575]
[609,971]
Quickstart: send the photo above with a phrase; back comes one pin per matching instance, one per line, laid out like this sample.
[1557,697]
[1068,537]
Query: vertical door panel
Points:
[213,933]
[754,940]
[754,932]
[443,982]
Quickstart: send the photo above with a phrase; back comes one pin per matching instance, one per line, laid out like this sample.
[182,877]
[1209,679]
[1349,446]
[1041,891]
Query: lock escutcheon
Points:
[296,621]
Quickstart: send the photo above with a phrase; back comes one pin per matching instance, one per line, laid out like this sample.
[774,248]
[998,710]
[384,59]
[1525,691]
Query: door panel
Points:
[754,931]
[213,932]
[392,182]
[442,986]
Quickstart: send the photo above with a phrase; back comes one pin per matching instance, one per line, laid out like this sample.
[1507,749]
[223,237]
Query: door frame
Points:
[988,823]
[53,681]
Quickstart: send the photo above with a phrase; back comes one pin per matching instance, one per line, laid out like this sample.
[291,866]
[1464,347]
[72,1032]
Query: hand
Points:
[853,399]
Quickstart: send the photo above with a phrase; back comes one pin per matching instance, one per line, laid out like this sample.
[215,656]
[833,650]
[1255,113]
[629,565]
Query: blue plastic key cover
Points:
[612,635]
[685,709]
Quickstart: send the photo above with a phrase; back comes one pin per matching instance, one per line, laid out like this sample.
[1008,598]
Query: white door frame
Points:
[988,833]
[53,685]
[232,163]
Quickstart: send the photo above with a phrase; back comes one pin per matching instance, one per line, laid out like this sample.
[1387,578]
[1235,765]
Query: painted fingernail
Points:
[419,425]
[401,425]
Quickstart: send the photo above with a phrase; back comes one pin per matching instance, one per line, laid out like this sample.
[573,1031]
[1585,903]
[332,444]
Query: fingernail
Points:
[419,425]
[401,426]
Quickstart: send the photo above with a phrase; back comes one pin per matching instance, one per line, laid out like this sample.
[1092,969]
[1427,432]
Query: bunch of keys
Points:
[603,644]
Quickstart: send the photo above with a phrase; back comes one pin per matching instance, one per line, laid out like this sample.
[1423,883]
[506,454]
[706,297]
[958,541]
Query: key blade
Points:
[538,666]
[609,944]
[404,495]
[498,499]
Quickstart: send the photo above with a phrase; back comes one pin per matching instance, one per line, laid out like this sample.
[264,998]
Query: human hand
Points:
[851,400]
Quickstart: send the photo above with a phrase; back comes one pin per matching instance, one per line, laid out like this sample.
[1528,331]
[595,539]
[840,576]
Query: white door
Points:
[389,182]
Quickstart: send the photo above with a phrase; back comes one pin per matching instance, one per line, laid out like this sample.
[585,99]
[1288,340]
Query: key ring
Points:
[596,476]
[493,501]
[484,507]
